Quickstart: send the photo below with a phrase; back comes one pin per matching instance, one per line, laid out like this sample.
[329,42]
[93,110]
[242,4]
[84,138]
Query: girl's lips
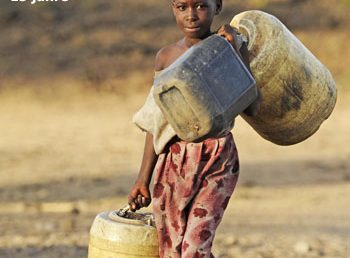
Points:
[192,29]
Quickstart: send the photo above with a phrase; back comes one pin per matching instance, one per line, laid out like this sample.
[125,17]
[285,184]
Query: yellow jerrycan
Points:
[298,92]
[131,235]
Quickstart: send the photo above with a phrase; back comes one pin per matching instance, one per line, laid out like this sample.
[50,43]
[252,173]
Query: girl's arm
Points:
[140,195]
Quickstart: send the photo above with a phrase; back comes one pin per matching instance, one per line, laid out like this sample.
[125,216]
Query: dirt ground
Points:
[66,156]
[68,149]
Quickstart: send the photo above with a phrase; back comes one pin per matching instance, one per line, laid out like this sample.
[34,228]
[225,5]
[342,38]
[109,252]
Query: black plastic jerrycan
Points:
[202,92]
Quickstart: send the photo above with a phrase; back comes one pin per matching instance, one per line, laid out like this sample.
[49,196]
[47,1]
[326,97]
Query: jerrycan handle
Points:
[123,212]
[125,215]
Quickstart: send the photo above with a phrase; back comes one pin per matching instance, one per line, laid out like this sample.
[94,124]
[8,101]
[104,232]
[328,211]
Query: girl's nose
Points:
[192,14]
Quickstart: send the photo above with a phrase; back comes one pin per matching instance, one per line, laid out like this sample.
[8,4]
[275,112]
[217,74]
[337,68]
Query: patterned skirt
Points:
[193,183]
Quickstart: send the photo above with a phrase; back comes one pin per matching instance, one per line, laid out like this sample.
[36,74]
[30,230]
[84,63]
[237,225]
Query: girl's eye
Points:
[201,6]
[181,7]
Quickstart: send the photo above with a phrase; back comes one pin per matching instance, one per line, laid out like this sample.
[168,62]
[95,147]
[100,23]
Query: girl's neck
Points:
[189,42]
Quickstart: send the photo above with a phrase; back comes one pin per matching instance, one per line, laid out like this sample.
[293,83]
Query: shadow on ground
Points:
[44,252]
[252,174]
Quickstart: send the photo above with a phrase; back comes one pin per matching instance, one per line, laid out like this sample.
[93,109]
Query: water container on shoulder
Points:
[202,92]
[130,236]
[298,92]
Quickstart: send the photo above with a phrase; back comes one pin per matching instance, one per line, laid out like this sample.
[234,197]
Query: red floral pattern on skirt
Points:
[193,185]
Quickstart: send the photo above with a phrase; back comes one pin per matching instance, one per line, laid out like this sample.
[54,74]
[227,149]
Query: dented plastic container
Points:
[113,236]
[202,92]
[298,92]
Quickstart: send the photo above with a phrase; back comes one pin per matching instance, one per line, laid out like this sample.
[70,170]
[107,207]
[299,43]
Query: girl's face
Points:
[194,17]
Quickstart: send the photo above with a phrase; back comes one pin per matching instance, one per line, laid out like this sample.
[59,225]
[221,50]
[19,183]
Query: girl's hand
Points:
[139,196]
[229,33]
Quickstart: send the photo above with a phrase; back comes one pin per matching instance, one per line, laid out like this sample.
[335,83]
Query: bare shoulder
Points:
[167,55]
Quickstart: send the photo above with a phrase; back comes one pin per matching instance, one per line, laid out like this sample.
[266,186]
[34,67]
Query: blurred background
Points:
[73,73]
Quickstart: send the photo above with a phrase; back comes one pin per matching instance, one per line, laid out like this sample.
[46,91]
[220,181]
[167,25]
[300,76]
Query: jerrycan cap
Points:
[135,218]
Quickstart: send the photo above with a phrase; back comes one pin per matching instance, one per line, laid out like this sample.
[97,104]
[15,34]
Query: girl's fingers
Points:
[231,40]
[228,33]
[221,33]
[143,201]
[139,200]
[133,206]
[133,202]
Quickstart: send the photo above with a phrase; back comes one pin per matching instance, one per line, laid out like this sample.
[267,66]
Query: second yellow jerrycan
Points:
[130,236]
[298,92]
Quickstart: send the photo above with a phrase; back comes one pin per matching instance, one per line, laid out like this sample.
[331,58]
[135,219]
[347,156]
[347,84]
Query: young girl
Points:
[193,182]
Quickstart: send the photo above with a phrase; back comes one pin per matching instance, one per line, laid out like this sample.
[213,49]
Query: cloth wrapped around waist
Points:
[150,118]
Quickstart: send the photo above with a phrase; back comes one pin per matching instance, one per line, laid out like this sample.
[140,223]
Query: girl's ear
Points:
[218,6]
